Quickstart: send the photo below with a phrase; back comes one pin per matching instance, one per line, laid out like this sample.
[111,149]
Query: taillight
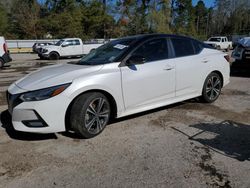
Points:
[227,57]
[5,48]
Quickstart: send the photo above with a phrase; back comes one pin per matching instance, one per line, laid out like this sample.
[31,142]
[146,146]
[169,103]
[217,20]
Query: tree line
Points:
[39,19]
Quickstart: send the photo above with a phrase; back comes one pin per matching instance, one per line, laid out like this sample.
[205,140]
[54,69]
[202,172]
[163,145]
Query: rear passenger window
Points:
[77,42]
[198,46]
[153,50]
[182,47]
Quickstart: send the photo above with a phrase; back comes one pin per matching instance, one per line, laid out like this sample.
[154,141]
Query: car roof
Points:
[218,37]
[71,39]
[155,35]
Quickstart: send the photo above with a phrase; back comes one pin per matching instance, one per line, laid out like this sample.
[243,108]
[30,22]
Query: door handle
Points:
[204,61]
[168,68]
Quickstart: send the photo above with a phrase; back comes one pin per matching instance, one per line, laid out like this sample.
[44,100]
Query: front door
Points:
[151,82]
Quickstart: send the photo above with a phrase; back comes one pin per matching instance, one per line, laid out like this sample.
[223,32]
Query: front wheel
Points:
[41,57]
[212,88]
[54,56]
[90,114]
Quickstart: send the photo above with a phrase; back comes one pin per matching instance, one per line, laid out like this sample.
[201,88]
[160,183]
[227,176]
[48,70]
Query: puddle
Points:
[214,177]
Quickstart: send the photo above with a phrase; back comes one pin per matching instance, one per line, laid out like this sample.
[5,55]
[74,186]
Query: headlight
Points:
[42,94]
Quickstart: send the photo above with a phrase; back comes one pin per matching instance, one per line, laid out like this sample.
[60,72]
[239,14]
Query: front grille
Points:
[13,100]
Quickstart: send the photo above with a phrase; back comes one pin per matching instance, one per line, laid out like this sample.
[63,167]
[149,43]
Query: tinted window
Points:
[153,50]
[198,46]
[59,42]
[107,53]
[77,42]
[182,47]
[70,42]
[215,39]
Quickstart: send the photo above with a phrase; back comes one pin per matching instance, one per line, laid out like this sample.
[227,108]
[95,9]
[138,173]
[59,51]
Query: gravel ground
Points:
[188,144]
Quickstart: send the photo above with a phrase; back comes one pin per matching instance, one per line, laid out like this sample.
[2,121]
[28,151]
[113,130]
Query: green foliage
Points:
[26,19]
[3,21]
[159,17]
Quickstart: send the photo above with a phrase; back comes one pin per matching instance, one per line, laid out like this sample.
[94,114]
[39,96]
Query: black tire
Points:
[41,57]
[54,56]
[1,63]
[218,47]
[212,88]
[86,119]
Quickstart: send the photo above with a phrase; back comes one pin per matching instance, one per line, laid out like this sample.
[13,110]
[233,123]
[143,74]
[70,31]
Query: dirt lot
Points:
[189,144]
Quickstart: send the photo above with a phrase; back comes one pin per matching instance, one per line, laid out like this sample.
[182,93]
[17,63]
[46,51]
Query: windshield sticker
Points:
[120,46]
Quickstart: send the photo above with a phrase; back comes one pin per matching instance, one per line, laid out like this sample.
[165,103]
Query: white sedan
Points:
[122,77]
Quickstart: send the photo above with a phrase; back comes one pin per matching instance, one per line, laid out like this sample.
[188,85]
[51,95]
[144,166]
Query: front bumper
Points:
[46,116]
[44,55]
[6,57]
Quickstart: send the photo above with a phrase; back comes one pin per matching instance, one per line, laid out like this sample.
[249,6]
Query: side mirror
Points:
[136,60]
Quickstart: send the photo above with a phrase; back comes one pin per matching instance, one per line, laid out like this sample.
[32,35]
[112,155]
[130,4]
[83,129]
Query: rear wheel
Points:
[212,88]
[54,56]
[90,114]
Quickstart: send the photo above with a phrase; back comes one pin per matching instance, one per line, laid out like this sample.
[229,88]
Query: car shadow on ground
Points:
[5,119]
[229,138]
[240,69]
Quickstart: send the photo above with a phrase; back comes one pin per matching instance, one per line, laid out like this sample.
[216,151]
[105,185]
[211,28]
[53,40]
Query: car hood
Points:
[51,47]
[55,75]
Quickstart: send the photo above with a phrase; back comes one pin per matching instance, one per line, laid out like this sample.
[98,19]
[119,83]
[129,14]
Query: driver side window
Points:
[153,50]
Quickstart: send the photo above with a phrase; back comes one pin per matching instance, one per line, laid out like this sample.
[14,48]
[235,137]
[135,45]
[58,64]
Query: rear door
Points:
[152,82]
[190,65]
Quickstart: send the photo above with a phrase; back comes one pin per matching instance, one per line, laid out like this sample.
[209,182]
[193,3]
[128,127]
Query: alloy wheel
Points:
[213,87]
[97,115]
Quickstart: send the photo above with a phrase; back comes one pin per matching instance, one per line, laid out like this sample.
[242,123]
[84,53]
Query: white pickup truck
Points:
[4,53]
[220,43]
[68,47]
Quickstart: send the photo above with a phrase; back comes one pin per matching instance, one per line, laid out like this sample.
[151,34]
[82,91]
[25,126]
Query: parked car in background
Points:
[68,47]
[236,39]
[38,45]
[242,50]
[123,77]
[4,53]
[220,43]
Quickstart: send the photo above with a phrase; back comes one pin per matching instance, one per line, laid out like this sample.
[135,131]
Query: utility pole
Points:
[197,24]
[207,24]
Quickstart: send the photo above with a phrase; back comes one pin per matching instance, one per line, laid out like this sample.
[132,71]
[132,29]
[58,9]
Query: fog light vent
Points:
[34,123]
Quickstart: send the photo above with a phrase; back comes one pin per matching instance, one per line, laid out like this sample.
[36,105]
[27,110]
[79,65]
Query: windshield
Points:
[214,39]
[245,42]
[106,53]
[59,43]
